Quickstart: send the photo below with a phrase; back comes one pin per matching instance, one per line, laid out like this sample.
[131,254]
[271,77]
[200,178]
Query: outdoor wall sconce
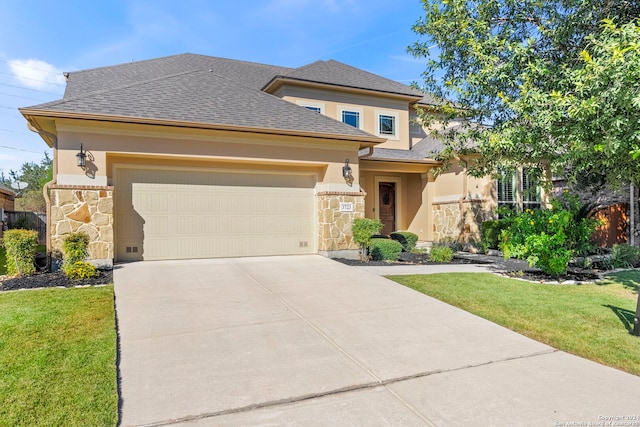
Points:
[81,158]
[346,170]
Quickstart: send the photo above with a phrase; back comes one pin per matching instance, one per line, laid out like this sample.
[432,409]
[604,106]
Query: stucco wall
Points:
[148,144]
[332,102]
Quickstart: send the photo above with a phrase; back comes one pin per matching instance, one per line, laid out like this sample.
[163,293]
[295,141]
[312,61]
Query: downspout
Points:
[369,154]
[45,189]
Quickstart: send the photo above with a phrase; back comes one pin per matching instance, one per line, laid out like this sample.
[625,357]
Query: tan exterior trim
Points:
[280,81]
[31,114]
[341,193]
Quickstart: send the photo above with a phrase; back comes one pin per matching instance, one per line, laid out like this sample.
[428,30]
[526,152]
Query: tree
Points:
[524,69]
[36,175]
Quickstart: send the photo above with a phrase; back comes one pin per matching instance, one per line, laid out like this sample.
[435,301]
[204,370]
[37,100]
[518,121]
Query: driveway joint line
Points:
[342,390]
[312,325]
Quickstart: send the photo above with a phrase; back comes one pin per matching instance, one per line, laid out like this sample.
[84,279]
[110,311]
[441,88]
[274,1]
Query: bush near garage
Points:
[362,230]
[20,246]
[385,249]
[75,248]
[407,239]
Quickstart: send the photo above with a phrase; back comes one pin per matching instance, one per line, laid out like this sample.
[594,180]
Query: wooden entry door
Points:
[387,206]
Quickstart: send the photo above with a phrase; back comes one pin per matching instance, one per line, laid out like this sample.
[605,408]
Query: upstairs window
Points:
[313,108]
[386,125]
[351,118]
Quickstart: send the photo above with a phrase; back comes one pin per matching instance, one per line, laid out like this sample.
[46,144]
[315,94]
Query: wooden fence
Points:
[30,221]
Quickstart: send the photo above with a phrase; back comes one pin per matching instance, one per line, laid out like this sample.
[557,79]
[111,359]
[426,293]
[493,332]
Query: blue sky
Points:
[40,39]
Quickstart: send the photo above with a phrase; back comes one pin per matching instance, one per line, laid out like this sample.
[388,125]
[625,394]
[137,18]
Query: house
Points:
[191,156]
[7,199]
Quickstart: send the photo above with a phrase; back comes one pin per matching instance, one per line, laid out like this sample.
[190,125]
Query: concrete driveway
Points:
[304,340]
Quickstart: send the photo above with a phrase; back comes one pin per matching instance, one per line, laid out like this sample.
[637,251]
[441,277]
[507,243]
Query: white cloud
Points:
[36,74]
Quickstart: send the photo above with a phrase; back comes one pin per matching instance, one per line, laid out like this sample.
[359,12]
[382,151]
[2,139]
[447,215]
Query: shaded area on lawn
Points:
[625,316]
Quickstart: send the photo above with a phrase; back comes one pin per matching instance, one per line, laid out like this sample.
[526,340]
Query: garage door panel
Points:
[169,214]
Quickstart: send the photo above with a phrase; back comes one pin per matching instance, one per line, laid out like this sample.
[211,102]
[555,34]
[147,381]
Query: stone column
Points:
[336,212]
[86,209]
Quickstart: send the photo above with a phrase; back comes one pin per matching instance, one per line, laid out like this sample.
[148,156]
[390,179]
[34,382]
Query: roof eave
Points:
[279,81]
[393,160]
[29,114]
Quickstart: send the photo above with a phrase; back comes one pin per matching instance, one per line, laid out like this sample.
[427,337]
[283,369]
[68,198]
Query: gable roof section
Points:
[336,73]
[200,98]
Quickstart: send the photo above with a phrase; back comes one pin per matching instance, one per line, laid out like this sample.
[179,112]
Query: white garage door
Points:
[177,214]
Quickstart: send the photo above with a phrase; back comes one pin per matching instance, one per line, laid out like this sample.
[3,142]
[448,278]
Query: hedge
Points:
[20,246]
[407,239]
[385,249]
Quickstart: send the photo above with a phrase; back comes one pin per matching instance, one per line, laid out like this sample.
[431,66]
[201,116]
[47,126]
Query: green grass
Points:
[592,321]
[58,357]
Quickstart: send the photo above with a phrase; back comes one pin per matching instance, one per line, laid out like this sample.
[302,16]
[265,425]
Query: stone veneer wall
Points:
[334,235]
[460,221]
[83,209]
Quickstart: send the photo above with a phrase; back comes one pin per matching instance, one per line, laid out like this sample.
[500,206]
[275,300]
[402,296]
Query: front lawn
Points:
[592,321]
[58,357]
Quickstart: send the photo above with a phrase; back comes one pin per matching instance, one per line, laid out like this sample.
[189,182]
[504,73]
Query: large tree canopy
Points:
[555,82]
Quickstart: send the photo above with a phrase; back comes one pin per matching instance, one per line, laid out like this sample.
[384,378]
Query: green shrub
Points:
[407,239]
[20,246]
[625,256]
[385,249]
[548,238]
[79,270]
[441,253]
[75,247]
[362,230]
[490,231]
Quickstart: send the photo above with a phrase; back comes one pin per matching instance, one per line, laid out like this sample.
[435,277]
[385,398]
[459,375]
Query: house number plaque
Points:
[346,207]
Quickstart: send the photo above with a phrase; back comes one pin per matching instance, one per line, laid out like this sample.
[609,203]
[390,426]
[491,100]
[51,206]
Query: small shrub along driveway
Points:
[589,320]
[58,357]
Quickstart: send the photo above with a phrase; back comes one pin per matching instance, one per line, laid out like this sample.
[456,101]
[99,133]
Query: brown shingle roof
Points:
[211,91]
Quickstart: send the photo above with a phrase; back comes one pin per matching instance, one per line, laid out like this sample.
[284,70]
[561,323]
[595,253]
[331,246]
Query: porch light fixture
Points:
[346,170]
[81,157]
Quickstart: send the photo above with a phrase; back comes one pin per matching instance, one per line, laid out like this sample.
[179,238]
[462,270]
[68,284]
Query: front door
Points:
[387,206]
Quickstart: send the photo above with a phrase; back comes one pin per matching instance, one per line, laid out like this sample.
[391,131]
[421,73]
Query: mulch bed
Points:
[52,280]
[509,268]
[407,258]
[571,276]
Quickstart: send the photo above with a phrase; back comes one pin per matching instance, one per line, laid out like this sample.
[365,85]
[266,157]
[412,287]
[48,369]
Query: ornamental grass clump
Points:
[20,246]
[75,248]
[440,253]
